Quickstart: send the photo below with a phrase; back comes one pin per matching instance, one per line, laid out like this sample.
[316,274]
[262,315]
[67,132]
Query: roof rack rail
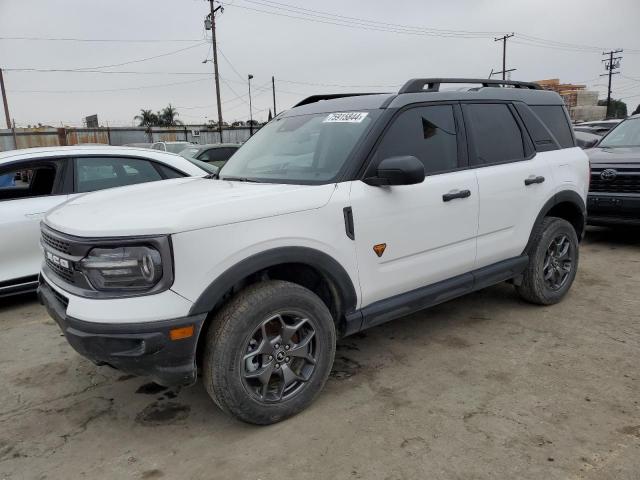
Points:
[329,96]
[416,85]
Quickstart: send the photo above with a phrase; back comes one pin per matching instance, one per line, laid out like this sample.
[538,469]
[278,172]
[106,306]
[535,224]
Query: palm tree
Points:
[146,118]
[168,116]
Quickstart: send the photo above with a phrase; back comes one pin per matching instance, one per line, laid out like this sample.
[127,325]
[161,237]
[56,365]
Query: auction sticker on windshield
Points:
[345,117]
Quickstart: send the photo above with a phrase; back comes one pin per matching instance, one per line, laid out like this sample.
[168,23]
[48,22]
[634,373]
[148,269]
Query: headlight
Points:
[122,268]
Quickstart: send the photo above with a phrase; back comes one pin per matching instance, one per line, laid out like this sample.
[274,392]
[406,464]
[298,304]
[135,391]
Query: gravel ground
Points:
[484,387]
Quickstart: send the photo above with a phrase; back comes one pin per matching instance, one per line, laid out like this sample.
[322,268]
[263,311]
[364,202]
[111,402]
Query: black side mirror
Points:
[405,170]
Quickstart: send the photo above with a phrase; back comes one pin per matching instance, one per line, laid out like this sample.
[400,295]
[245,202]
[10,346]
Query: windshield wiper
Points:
[240,179]
[215,176]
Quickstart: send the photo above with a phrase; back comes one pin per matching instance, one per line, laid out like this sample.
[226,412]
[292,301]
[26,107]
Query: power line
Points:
[231,65]
[112,72]
[193,107]
[359,21]
[96,68]
[102,40]
[566,44]
[142,87]
[336,85]
[358,26]
[553,47]
[241,97]
[140,60]
[300,13]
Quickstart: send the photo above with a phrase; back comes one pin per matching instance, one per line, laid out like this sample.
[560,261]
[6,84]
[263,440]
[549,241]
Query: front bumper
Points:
[613,209]
[138,348]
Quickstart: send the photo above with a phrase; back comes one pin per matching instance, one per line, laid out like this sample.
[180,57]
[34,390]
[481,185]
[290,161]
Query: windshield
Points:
[626,134]
[302,149]
[189,152]
[176,147]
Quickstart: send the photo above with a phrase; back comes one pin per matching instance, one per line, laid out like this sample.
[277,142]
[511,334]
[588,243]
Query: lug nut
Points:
[277,365]
[287,359]
[287,347]
[277,345]
[270,357]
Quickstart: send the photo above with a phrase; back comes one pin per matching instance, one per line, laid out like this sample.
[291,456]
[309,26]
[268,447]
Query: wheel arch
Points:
[567,205]
[302,265]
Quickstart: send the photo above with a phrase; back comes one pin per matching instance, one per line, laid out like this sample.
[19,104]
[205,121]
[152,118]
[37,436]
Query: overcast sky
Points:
[376,47]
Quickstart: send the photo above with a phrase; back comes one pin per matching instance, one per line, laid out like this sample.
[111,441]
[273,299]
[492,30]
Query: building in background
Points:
[91,121]
[581,103]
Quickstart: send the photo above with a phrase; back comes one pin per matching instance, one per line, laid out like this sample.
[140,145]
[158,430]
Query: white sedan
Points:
[34,180]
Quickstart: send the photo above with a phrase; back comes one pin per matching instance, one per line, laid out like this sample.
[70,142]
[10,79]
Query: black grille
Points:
[61,298]
[59,245]
[627,180]
[62,272]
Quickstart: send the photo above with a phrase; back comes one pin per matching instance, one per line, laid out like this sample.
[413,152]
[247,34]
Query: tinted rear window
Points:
[496,135]
[555,119]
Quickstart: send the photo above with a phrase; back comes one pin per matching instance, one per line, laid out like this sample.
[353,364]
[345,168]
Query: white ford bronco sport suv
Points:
[342,213]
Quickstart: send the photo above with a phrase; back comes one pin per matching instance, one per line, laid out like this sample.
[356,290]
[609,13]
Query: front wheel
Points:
[553,262]
[269,352]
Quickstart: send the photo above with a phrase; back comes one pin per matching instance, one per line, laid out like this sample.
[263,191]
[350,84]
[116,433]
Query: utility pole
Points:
[611,64]
[212,24]
[504,54]
[4,101]
[249,77]
[273,88]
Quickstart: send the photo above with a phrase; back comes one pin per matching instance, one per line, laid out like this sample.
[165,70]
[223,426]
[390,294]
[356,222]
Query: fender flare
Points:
[564,196]
[313,258]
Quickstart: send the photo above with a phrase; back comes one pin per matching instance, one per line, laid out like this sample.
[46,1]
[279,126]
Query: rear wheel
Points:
[269,352]
[553,262]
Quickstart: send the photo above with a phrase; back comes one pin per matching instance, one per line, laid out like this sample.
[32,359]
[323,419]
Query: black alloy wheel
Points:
[279,357]
[558,262]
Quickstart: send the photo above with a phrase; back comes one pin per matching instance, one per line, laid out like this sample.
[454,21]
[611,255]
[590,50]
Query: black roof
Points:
[414,91]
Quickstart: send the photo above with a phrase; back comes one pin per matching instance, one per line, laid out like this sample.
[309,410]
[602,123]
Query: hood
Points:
[614,155]
[172,206]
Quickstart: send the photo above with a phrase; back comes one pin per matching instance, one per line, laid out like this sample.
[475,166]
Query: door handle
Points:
[533,179]
[447,197]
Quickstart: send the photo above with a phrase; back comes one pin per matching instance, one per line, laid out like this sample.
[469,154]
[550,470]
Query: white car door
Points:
[412,236]
[23,202]
[513,182]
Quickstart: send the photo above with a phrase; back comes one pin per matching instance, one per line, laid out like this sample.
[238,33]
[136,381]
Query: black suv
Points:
[614,194]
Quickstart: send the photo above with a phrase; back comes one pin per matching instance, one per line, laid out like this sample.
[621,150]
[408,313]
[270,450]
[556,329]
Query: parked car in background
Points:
[338,215]
[585,139]
[214,153]
[590,130]
[171,147]
[599,127]
[138,145]
[56,174]
[207,167]
[614,194]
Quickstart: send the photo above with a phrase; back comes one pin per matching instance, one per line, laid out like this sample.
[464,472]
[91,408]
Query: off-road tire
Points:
[223,367]
[533,288]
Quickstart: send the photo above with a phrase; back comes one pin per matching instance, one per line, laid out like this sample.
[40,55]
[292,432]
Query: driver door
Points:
[412,236]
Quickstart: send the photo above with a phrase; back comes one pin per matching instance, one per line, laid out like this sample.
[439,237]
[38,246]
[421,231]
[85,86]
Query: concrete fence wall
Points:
[52,137]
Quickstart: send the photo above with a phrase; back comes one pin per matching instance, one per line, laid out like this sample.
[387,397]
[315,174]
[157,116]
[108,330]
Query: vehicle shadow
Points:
[7,303]
[615,236]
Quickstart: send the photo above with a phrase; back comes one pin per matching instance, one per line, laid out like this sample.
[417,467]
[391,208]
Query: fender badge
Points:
[379,248]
